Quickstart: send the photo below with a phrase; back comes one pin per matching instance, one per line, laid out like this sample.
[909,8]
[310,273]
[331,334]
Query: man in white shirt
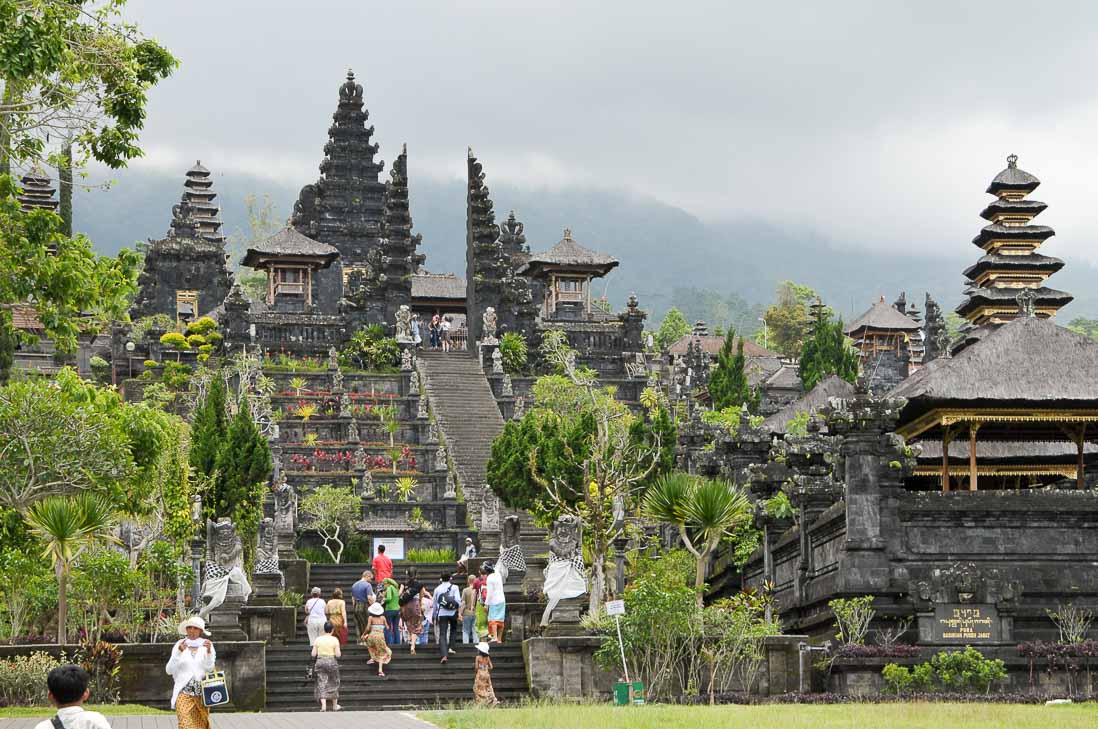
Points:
[496,602]
[68,690]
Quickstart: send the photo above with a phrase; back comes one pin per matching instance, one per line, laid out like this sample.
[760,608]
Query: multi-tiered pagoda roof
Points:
[1011,272]
[199,195]
[38,191]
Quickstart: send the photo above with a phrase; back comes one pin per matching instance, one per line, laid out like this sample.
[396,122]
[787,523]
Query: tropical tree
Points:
[704,511]
[672,328]
[242,468]
[827,352]
[67,526]
[332,510]
[209,428]
[787,319]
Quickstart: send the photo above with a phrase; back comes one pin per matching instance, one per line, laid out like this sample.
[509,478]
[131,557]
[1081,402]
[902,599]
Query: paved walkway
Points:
[292,720]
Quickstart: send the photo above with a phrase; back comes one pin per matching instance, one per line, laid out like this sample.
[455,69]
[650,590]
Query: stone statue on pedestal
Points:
[497,362]
[488,331]
[565,576]
[266,550]
[404,324]
[333,358]
[224,574]
[285,514]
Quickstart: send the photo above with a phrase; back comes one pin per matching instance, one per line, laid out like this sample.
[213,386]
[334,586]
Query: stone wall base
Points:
[565,667]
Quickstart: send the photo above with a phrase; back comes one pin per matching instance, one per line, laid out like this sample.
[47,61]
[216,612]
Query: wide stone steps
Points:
[411,681]
[330,576]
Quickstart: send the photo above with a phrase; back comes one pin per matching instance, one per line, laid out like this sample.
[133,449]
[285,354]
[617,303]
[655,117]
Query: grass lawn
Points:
[24,712]
[856,716]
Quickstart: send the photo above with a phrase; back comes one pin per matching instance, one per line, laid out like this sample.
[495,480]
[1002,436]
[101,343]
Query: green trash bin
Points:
[626,693]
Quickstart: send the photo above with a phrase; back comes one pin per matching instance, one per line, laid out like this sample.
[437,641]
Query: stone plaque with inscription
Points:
[966,624]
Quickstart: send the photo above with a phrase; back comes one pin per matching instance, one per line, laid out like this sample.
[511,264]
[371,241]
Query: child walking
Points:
[483,692]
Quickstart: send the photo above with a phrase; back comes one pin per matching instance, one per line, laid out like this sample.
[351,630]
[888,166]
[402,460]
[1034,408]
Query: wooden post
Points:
[972,428]
[946,438]
[308,273]
[270,284]
[1080,466]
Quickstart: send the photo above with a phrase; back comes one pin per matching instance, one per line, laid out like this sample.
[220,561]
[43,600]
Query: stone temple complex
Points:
[954,482]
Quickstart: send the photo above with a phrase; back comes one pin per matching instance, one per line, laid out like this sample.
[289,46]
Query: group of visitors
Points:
[389,613]
[439,332]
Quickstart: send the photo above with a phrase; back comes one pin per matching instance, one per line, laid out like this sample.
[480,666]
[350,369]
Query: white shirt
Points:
[317,609]
[184,666]
[442,589]
[74,717]
[495,590]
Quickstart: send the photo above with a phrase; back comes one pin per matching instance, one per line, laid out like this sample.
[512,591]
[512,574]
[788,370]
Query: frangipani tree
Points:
[67,526]
[332,511]
[704,511]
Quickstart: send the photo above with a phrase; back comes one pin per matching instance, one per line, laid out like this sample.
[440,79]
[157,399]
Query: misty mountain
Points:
[660,247]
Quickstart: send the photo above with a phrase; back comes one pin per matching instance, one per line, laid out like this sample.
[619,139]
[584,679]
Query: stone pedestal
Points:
[565,667]
[271,624]
[295,572]
[265,589]
[224,622]
[565,619]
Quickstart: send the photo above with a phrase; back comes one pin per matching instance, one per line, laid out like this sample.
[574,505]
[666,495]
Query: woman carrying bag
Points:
[192,658]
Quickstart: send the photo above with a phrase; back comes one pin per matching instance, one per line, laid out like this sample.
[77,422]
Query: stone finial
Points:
[1026,299]
[1012,161]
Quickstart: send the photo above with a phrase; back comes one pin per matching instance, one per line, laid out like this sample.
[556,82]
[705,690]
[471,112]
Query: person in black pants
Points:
[447,603]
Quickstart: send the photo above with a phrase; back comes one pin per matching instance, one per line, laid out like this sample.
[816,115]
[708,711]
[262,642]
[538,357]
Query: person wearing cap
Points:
[316,614]
[483,692]
[469,553]
[192,658]
[376,626]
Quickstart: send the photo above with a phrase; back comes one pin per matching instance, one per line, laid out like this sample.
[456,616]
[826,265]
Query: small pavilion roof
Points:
[711,345]
[815,400]
[289,244]
[570,254]
[1013,178]
[882,316]
[438,286]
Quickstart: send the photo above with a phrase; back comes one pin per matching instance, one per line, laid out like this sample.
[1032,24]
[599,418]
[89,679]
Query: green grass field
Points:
[25,712]
[856,716]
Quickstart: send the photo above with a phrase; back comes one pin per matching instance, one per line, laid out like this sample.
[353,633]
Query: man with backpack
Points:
[447,603]
[68,690]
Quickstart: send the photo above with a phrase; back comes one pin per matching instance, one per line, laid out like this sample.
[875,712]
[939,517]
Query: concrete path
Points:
[292,720]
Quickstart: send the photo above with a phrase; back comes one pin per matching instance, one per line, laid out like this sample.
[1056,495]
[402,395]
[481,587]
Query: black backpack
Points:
[447,602]
[408,595]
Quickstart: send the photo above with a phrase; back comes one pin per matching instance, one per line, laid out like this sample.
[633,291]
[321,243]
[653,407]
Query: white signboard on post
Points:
[394,546]
[613,607]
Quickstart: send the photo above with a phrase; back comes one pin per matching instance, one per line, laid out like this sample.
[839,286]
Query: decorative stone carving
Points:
[360,457]
[432,432]
[406,362]
[421,409]
[440,457]
[337,380]
[333,358]
[451,486]
[488,331]
[489,514]
[497,362]
[285,512]
[637,369]
[366,484]
[224,574]
[565,576]
[404,324]
[344,405]
[520,407]
[352,431]
[413,385]
[266,551]
[512,530]
[508,387]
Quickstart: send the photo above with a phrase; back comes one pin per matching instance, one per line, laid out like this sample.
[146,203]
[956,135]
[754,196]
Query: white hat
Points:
[469,539]
[376,609]
[315,591]
[483,647]
[193,622]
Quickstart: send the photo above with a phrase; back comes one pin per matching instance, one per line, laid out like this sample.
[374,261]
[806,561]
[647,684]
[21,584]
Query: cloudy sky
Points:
[878,124]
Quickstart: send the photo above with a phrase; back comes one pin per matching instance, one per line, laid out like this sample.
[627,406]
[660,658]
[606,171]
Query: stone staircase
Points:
[411,681]
[330,576]
[466,411]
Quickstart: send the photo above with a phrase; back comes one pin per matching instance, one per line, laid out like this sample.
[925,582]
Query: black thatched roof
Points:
[997,231]
[1013,179]
[975,297]
[570,253]
[816,399]
[998,261]
[1002,205]
[1003,451]
[1026,361]
[882,316]
[437,286]
[288,243]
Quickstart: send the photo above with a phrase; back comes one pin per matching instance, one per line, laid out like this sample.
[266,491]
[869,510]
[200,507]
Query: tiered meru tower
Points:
[345,207]
[199,195]
[1011,274]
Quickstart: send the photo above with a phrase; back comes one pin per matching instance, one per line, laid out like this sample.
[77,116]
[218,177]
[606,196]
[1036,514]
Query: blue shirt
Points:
[442,589]
[362,591]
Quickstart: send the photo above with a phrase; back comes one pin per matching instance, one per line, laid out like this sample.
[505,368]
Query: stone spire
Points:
[184,223]
[38,191]
[345,207]
[199,195]
[1010,264]
[400,259]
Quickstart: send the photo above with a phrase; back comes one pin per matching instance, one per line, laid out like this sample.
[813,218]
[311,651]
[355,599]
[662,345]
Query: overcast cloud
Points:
[877,124]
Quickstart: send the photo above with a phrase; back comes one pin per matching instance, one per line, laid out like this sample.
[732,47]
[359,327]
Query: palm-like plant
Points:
[67,526]
[705,512]
[405,488]
[297,384]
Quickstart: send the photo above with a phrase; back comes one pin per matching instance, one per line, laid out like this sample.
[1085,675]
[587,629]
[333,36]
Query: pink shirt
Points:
[383,567]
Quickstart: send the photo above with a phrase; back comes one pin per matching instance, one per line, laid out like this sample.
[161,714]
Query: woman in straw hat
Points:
[380,652]
[192,658]
[482,684]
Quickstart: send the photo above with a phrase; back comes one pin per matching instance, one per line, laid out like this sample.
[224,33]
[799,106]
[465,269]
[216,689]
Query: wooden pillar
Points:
[308,273]
[270,284]
[947,437]
[972,428]
[1080,466]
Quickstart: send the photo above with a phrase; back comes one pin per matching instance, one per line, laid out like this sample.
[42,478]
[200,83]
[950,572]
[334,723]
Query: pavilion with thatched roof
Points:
[1029,382]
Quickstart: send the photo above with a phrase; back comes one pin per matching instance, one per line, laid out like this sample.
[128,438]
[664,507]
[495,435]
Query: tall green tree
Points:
[67,526]
[728,384]
[209,429]
[242,468]
[827,352]
[76,70]
[672,328]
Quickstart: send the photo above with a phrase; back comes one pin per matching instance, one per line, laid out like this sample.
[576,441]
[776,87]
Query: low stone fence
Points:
[142,678]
